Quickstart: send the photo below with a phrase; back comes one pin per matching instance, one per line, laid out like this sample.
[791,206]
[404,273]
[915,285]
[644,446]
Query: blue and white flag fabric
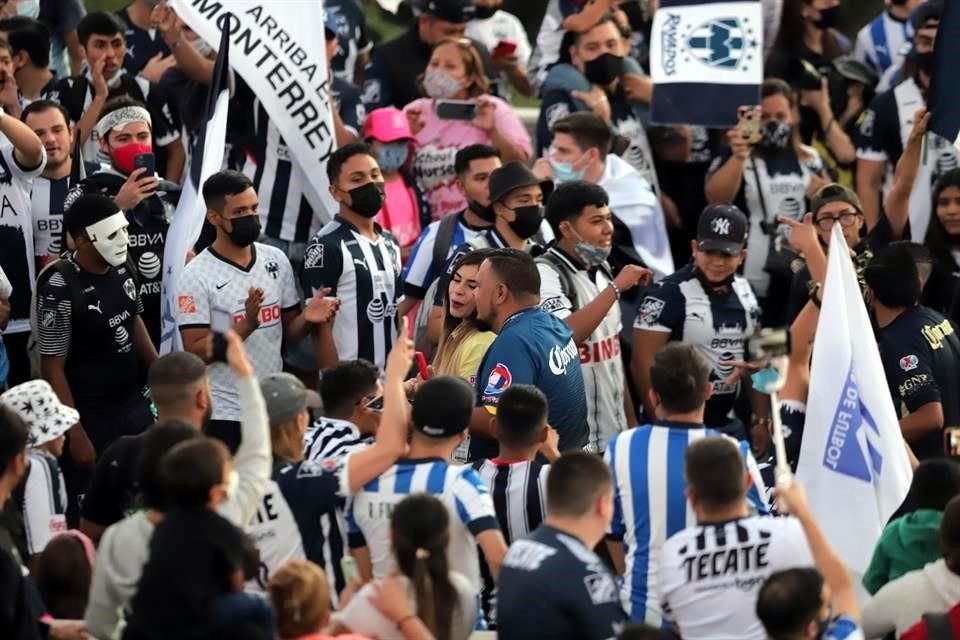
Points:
[853,462]
[944,98]
[206,159]
[706,61]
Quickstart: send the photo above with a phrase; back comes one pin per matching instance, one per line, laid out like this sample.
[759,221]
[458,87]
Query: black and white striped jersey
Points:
[46,204]
[365,275]
[519,491]
[330,438]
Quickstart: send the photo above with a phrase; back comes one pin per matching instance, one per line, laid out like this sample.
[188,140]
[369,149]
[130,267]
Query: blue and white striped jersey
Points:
[465,495]
[422,268]
[650,503]
[880,44]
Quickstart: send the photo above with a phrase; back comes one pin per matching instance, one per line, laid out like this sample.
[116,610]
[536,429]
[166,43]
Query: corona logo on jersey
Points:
[270,314]
[498,380]
[560,357]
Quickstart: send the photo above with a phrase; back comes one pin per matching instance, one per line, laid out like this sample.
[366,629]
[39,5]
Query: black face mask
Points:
[634,13]
[925,62]
[367,199]
[828,17]
[604,69]
[484,212]
[244,231]
[528,220]
[483,13]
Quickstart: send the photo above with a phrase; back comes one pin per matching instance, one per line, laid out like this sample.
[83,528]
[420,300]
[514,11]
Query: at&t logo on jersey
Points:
[560,357]
[498,380]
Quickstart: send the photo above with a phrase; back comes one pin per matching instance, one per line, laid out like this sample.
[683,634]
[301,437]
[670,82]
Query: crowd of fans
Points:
[495,381]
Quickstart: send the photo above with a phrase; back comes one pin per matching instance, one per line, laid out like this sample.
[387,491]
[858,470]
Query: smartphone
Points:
[951,441]
[504,48]
[422,365]
[456,110]
[220,322]
[147,161]
[749,123]
[348,566]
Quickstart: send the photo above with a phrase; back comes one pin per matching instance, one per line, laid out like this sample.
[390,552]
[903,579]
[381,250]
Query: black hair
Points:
[63,575]
[224,183]
[461,161]
[15,23]
[171,376]
[339,158]
[517,270]
[13,437]
[157,441]
[571,38]
[99,23]
[587,129]
[935,482]
[790,600]
[521,413]
[641,631]
[419,534]
[33,37]
[680,374]
[892,275]
[790,35]
[39,106]
[471,258]
[445,403]
[345,384]
[575,482]
[714,471]
[86,210]
[190,470]
[940,242]
[570,199]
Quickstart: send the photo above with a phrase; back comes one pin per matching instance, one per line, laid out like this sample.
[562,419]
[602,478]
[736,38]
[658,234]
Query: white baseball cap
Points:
[38,406]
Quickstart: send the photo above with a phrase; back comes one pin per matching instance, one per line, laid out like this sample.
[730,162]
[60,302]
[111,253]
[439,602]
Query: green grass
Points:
[104,5]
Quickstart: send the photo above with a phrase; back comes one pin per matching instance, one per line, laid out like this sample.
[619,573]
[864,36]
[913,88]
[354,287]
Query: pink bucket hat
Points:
[387,124]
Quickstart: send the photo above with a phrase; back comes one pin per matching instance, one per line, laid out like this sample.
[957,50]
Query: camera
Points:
[804,75]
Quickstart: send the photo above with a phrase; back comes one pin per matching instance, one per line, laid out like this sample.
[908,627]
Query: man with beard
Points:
[179,390]
[50,121]
[124,132]
[532,347]
[886,127]
[94,347]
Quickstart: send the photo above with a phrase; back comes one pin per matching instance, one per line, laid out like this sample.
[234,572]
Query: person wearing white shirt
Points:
[710,573]
[503,35]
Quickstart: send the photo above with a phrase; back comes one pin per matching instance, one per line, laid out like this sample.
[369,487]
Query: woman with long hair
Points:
[458,111]
[773,177]
[438,600]
[462,343]
[806,32]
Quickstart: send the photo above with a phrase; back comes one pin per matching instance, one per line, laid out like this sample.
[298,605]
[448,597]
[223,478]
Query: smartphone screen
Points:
[220,323]
[456,110]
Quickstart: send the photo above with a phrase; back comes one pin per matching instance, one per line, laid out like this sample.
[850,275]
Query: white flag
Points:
[279,50]
[853,463]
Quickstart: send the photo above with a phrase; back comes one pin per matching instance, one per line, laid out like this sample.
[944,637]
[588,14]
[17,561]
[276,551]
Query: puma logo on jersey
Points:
[96,307]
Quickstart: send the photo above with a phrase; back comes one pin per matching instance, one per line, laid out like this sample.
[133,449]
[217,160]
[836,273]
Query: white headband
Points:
[120,118]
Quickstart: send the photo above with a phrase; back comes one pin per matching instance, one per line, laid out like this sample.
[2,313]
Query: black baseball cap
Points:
[456,11]
[443,406]
[510,176]
[722,227]
[834,192]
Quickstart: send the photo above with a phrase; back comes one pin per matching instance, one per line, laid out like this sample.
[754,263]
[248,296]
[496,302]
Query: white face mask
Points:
[29,8]
[112,249]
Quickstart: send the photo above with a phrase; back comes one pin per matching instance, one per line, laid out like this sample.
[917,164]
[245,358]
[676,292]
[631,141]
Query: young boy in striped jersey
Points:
[517,477]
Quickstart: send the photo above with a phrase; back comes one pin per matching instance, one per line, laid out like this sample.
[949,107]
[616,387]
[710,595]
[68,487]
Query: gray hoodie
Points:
[901,604]
[125,546]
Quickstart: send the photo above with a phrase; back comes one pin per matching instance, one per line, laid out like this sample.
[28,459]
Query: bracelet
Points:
[405,619]
[813,296]
[616,289]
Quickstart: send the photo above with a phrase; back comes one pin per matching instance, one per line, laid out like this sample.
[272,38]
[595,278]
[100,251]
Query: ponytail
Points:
[420,536]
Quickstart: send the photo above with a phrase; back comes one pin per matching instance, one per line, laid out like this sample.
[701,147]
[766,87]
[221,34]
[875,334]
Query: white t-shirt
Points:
[710,574]
[16,234]
[211,281]
[363,618]
[44,501]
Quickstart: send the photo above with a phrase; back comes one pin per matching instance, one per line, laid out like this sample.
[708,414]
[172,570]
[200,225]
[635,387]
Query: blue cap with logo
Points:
[722,227]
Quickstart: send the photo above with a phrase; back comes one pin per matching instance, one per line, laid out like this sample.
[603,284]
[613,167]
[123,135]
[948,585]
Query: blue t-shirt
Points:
[535,347]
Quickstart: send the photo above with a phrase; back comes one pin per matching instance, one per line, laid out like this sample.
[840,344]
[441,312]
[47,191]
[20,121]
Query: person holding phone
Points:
[458,111]
[125,135]
[254,284]
[503,34]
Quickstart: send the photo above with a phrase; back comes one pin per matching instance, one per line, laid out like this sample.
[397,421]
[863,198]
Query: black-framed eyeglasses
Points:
[847,219]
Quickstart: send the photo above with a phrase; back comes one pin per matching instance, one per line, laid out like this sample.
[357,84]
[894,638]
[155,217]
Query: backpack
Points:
[566,278]
[441,248]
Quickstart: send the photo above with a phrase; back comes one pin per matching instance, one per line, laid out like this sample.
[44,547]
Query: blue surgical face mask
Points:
[592,255]
[564,171]
[392,156]
[29,8]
